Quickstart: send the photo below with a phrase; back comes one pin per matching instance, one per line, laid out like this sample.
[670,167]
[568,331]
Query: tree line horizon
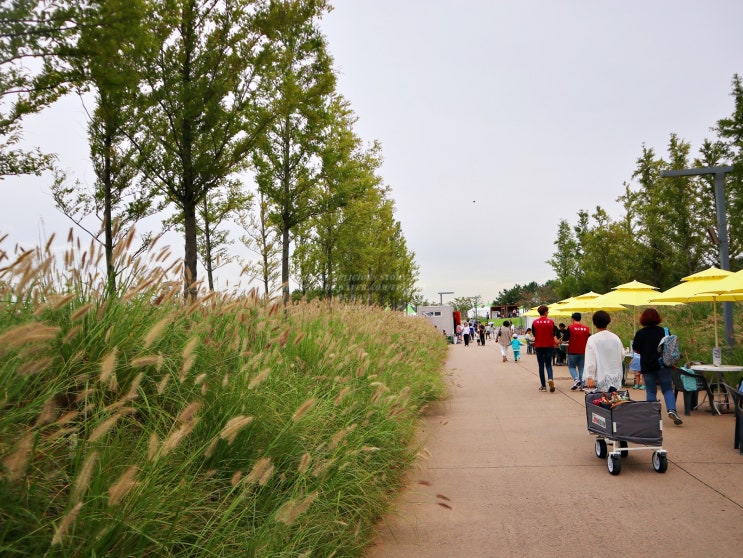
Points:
[662,234]
[207,114]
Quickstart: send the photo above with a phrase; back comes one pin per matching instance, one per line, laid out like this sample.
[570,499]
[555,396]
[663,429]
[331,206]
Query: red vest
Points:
[579,335]
[543,329]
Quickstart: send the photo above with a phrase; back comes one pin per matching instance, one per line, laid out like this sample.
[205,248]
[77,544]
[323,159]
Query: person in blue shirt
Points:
[516,346]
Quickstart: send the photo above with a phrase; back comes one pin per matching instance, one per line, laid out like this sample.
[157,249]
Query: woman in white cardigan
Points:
[604,356]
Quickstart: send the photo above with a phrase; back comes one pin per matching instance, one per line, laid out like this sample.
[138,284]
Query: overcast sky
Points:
[496,118]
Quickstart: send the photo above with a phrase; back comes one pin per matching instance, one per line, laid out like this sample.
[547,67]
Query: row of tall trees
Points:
[208,112]
[662,234]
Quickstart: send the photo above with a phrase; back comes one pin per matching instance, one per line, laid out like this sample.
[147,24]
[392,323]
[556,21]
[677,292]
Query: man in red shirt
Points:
[579,334]
[545,339]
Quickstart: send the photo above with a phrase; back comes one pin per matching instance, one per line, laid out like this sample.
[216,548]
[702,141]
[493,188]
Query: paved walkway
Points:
[511,471]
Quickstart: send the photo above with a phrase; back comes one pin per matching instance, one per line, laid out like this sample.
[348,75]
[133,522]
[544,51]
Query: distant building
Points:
[440,316]
[504,311]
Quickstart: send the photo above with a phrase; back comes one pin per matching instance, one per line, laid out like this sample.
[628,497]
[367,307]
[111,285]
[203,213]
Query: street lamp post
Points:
[722,230]
[441,296]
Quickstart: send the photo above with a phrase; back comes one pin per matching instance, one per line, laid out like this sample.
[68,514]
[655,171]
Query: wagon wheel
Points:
[660,462]
[600,448]
[614,463]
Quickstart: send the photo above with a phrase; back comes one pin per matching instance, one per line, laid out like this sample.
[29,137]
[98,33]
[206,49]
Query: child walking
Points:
[516,346]
[634,366]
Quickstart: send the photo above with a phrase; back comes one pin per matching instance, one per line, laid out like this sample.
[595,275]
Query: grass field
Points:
[139,425]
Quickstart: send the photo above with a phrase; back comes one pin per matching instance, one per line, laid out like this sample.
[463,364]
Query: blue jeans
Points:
[544,359]
[664,377]
[575,366]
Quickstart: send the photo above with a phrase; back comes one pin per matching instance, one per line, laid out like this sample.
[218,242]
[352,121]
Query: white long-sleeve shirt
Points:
[604,356]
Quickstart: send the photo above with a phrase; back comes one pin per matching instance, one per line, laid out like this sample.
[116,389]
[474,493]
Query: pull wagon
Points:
[637,422]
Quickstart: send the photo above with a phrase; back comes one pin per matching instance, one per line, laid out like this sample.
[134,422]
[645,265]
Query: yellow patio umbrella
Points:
[730,288]
[632,294]
[699,287]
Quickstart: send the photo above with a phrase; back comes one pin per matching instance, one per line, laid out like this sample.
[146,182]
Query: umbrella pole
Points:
[714,307]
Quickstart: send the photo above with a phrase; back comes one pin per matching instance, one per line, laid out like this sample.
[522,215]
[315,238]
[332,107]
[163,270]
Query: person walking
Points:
[604,356]
[481,333]
[503,338]
[578,336]
[466,334]
[545,339]
[516,346]
[653,371]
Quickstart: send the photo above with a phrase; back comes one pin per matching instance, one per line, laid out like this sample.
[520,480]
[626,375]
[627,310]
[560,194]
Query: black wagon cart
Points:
[617,419]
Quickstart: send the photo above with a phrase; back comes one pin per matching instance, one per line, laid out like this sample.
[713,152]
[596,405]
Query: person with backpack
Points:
[654,370]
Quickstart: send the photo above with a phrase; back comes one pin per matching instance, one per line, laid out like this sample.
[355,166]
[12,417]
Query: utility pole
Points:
[722,230]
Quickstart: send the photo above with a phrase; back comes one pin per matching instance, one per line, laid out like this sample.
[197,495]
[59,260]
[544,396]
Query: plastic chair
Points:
[737,397]
[691,395]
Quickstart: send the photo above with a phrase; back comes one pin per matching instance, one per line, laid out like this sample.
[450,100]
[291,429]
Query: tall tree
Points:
[288,159]
[111,48]
[261,238]
[202,104]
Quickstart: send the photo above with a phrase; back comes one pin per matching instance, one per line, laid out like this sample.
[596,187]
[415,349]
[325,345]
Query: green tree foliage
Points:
[202,104]
[34,36]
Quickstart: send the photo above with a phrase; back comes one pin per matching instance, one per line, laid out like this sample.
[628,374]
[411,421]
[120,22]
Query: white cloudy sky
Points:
[497,119]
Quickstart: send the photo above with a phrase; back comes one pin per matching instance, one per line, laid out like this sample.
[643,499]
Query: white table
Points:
[718,373]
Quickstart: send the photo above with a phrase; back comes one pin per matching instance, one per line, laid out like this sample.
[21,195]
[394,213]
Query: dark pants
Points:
[466,339]
[544,360]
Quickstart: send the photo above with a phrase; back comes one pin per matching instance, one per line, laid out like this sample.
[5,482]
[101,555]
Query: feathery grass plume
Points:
[261,471]
[341,395]
[199,379]
[108,364]
[339,436]
[292,509]
[236,478]
[175,437]
[209,451]
[303,408]
[162,384]
[80,312]
[68,520]
[190,347]
[233,426]
[133,392]
[48,412]
[34,366]
[61,433]
[281,341]
[187,365]
[155,332]
[298,338]
[204,389]
[18,336]
[225,380]
[148,360]
[188,412]
[152,446]
[322,466]
[121,487]
[258,380]
[83,477]
[67,417]
[304,463]
[71,334]
[15,463]
[103,428]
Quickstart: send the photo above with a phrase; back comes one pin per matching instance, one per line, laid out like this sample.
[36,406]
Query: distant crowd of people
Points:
[595,360]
